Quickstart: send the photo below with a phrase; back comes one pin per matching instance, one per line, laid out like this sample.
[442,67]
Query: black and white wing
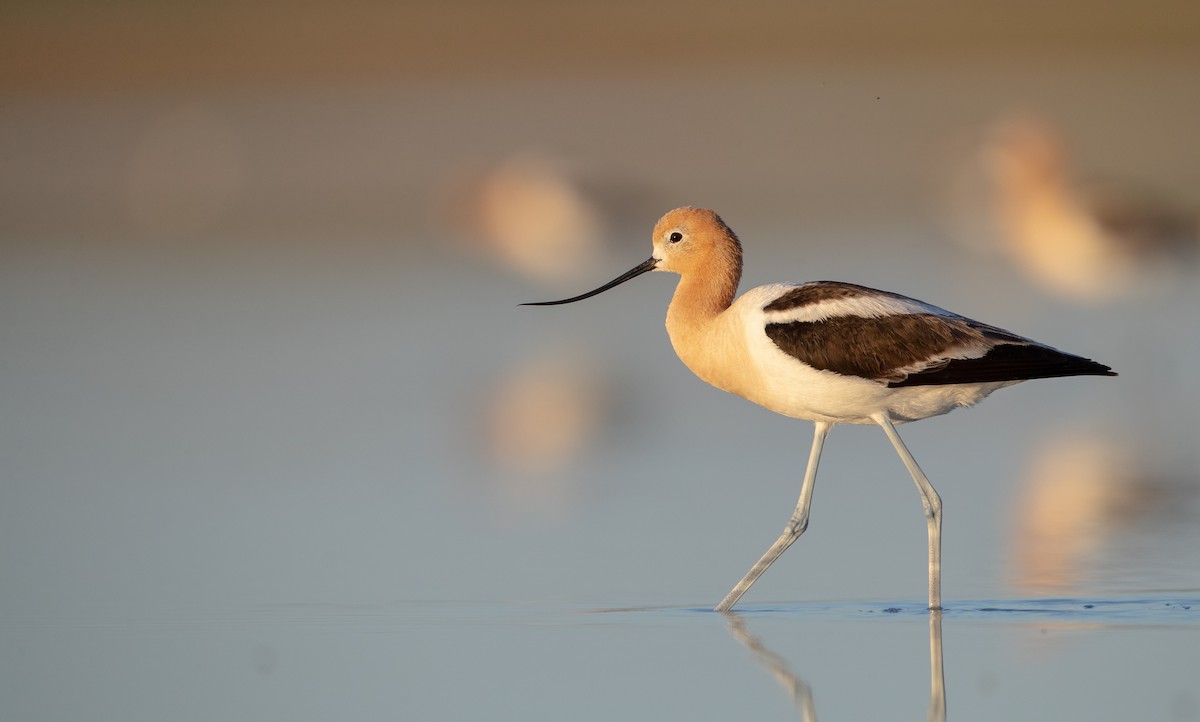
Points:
[893,339]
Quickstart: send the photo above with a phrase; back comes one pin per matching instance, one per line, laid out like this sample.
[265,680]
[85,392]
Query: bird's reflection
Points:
[937,673]
[801,693]
[776,665]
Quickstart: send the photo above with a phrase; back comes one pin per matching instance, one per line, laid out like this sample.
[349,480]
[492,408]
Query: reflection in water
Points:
[799,690]
[937,672]
[801,693]
[542,414]
[531,426]
[1081,491]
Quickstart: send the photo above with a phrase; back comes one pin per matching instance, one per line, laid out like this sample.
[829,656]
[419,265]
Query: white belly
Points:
[789,387]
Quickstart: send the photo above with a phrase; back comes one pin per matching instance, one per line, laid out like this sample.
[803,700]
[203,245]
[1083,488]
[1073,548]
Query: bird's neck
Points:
[699,299]
[704,332]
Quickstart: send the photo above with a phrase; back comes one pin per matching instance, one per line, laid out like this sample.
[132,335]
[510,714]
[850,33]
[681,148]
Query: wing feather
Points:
[923,349]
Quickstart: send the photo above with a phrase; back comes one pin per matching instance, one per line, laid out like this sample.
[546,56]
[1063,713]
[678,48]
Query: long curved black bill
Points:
[648,265]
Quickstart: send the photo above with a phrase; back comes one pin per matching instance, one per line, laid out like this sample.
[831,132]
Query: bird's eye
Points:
[676,237]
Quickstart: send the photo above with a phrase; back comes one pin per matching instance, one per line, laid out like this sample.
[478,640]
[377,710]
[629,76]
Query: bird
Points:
[832,353]
[1086,242]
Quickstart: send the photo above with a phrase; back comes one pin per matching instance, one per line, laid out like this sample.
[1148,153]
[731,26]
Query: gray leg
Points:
[795,526]
[937,674]
[933,510]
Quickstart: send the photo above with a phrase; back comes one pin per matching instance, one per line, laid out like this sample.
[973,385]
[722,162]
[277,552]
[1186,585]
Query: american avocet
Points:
[1087,242]
[832,353]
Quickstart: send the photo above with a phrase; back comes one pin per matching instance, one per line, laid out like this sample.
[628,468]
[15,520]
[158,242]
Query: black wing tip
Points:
[1009,362]
[1094,368]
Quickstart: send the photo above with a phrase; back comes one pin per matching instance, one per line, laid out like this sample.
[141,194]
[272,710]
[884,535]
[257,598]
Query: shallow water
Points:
[1065,659]
[255,498]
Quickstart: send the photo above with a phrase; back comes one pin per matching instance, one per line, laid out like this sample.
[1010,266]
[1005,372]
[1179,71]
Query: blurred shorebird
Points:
[832,353]
[1085,242]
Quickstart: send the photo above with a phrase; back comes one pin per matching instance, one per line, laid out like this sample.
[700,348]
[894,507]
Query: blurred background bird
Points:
[1084,240]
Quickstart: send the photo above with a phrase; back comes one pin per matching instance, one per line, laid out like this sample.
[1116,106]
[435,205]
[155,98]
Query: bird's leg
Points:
[795,526]
[933,510]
